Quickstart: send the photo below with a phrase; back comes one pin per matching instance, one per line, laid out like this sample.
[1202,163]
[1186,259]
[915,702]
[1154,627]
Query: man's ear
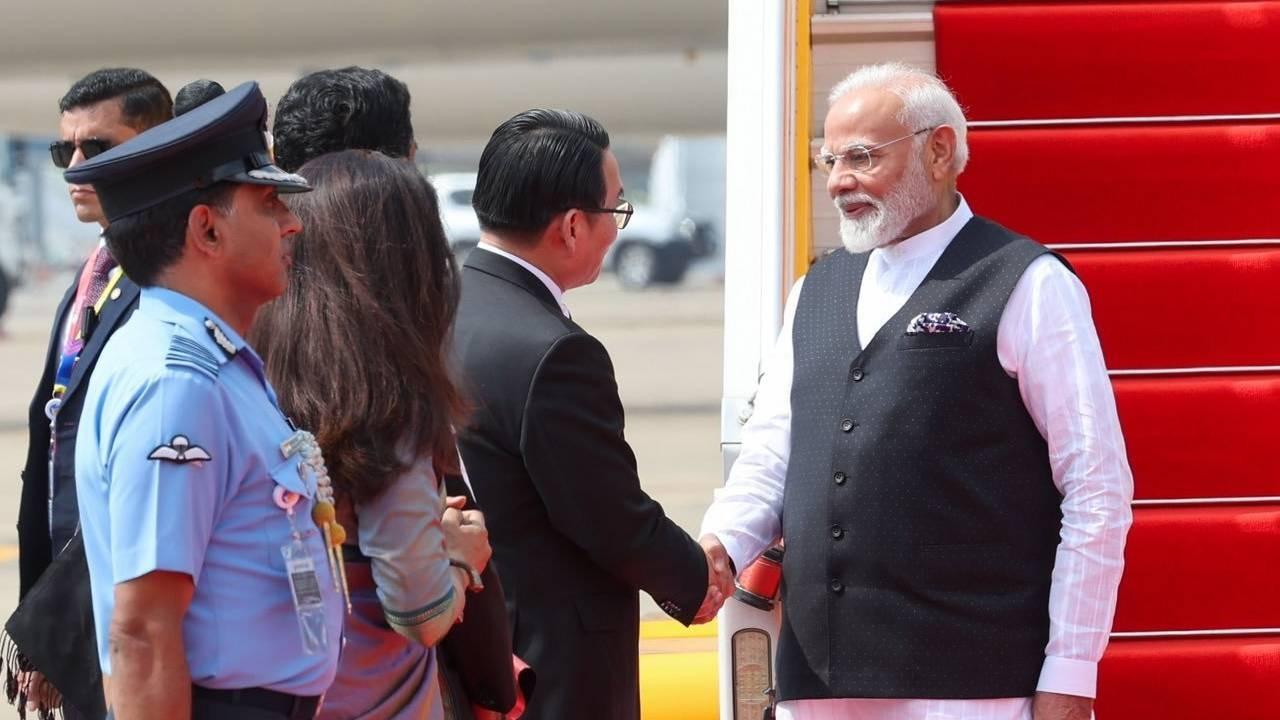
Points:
[202,230]
[942,151]
[570,226]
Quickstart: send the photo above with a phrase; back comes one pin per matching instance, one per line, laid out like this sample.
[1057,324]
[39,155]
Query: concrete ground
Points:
[666,346]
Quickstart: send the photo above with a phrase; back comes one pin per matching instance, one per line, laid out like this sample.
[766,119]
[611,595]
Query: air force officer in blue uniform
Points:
[213,592]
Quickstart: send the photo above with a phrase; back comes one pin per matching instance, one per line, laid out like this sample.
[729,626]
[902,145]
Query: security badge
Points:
[304,586]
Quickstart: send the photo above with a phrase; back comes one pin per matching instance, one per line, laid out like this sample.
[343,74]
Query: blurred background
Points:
[653,72]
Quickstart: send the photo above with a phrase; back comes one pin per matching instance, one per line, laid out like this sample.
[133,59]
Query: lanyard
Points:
[71,348]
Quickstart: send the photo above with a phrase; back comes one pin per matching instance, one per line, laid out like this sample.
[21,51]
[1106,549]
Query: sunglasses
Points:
[63,150]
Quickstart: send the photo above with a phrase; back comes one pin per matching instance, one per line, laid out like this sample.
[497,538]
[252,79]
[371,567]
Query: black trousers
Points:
[70,713]
[202,709]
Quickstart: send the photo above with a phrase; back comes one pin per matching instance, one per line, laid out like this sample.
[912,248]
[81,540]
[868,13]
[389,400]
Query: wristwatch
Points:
[474,583]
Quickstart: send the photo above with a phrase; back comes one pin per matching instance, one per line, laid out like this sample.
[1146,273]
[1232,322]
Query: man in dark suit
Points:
[572,530]
[101,110]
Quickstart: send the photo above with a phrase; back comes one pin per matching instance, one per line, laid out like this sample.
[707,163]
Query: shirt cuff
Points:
[739,555]
[1069,677]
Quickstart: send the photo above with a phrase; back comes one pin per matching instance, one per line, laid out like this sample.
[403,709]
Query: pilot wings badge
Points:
[180,451]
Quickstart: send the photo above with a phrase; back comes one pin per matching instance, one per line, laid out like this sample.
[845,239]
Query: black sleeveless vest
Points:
[920,516]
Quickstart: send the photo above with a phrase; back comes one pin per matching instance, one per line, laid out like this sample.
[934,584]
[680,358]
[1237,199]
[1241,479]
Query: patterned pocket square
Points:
[936,324]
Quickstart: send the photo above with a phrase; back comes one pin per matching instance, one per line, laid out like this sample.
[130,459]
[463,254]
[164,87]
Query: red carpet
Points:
[1110,59]
[1191,567]
[1122,183]
[1201,568]
[1184,307]
[1201,436]
[1196,679]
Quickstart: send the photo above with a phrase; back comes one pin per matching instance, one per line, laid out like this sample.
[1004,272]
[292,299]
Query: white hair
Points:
[926,100]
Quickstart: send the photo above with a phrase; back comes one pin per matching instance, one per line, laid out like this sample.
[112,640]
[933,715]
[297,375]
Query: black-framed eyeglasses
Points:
[63,150]
[621,214]
[858,157]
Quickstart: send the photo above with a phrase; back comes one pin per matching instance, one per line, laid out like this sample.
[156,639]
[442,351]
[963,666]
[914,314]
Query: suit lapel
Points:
[59,319]
[52,356]
[500,267]
[113,313]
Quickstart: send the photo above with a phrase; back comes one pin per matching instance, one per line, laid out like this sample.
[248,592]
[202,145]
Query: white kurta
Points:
[1047,342]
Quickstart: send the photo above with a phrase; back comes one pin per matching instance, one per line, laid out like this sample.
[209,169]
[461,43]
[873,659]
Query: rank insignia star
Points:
[220,337]
[180,451]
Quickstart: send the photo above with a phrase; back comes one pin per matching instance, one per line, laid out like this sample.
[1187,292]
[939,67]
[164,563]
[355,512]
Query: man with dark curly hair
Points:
[351,108]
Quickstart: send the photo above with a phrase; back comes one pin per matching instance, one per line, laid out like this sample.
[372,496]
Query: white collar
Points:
[930,242]
[556,292]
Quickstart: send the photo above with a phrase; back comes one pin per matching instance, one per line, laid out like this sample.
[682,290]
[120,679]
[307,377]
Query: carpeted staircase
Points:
[1142,139]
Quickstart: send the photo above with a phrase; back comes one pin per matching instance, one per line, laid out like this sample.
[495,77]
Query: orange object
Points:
[758,584]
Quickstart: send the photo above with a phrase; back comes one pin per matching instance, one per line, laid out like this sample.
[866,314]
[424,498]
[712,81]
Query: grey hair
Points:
[926,100]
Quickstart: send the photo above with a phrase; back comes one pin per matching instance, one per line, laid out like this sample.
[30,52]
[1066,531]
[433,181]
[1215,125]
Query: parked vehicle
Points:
[657,247]
[460,224]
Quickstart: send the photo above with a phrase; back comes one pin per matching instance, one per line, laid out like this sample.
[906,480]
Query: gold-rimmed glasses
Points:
[858,157]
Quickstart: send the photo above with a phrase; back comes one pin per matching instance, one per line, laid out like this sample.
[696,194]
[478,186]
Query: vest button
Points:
[837,587]
[840,477]
[837,532]
[847,425]
[858,374]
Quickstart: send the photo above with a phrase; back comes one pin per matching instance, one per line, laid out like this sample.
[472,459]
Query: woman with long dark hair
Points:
[357,349]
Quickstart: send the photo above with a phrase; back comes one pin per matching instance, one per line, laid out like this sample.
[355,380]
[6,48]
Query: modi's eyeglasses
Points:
[63,150]
[858,157]
[621,214]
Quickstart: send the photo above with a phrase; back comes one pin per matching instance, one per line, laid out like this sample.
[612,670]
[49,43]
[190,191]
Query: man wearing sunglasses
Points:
[574,534]
[101,110]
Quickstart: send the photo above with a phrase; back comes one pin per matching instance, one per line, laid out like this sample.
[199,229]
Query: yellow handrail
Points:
[803,219]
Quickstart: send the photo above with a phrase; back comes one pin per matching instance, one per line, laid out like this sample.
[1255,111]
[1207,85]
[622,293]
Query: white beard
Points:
[888,218]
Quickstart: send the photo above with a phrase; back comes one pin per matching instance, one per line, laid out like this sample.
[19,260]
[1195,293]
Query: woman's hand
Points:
[465,535]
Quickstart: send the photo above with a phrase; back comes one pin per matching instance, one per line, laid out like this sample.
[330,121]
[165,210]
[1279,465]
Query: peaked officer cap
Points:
[223,140]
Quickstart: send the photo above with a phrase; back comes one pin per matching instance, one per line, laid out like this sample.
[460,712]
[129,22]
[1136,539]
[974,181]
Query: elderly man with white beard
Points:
[936,441]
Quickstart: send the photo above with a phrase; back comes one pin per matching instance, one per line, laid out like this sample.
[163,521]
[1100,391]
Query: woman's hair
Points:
[357,346]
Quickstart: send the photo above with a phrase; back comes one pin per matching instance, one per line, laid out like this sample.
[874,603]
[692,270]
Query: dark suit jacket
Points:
[36,550]
[572,531]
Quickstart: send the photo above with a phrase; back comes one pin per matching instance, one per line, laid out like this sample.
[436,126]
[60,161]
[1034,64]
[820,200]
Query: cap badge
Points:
[276,176]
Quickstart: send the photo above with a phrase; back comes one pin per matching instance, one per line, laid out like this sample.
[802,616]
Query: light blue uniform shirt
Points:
[164,396]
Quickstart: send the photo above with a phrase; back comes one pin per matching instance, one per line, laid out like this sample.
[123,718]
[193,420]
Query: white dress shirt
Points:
[556,292]
[1047,342]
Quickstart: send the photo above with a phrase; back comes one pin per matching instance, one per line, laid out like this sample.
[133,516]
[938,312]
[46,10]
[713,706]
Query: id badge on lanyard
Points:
[304,584]
[65,366]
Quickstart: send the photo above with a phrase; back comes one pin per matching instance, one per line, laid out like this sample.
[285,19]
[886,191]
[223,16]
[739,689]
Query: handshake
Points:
[719,579]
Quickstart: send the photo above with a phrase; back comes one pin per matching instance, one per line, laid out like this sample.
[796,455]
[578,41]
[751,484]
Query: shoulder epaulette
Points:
[187,353]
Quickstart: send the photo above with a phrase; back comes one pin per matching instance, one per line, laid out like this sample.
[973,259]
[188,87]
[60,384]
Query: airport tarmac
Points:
[666,345]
